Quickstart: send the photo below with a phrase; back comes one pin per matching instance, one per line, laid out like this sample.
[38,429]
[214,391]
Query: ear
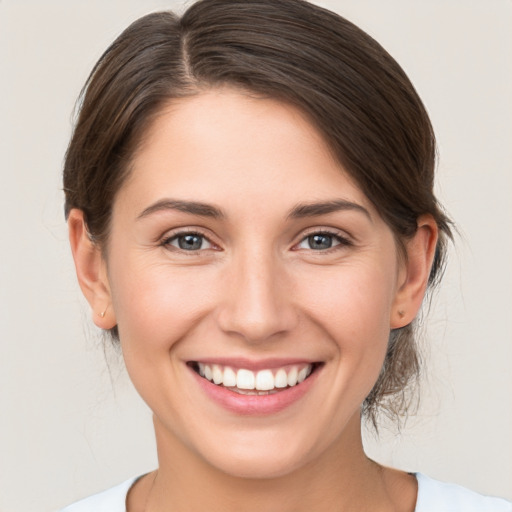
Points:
[415,271]
[91,270]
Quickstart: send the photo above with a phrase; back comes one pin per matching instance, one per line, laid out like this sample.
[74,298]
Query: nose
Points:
[257,300]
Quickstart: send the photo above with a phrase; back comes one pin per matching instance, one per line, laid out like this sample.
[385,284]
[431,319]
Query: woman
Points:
[250,208]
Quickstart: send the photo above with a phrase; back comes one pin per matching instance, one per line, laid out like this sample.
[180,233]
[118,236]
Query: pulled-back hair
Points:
[349,87]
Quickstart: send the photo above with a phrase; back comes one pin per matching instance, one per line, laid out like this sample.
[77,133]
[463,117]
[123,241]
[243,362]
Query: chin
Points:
[257,467]
[260,458]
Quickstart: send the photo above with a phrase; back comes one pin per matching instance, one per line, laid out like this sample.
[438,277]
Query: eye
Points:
[188,242]
[322,241]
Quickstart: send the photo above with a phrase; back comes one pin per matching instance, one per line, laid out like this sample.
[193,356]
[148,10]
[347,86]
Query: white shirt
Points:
[433,496]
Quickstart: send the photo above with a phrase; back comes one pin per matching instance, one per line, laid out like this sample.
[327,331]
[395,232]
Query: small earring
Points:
[401,313]
[102,314]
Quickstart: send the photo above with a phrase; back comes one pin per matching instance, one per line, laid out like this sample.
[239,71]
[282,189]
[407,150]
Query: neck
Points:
[344,479]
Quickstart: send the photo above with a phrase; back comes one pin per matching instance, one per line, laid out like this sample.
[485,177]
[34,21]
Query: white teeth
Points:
[264,382]
[245,379]
[292,376]
[218,374]
[281,379]
[302,375]
[229,377]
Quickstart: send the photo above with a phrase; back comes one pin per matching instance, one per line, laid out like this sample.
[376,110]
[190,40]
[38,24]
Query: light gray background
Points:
[67,431]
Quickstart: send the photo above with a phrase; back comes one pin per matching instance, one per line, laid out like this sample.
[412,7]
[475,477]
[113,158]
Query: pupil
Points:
[190,242]
[320,241]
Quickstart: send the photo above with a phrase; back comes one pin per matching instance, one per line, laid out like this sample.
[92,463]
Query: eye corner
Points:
[322,241]
[188,241]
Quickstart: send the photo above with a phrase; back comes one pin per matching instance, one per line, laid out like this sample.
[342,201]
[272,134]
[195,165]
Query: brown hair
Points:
[343,80]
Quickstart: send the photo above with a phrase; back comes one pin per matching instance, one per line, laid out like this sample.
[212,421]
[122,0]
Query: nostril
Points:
[257,305]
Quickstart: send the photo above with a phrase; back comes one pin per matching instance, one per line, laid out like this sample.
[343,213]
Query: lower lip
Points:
[255,404]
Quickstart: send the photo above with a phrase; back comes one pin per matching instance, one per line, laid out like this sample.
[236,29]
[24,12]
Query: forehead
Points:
[230,147]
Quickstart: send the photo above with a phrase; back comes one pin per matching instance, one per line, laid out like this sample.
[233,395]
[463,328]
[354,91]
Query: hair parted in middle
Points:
[347,85]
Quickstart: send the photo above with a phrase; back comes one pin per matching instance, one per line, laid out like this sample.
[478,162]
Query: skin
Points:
[255,289]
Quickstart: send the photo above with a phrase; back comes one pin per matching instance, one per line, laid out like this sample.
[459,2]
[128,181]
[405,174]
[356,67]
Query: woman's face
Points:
[241,251]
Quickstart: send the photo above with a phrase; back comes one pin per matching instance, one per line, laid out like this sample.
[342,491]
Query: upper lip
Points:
[252,364]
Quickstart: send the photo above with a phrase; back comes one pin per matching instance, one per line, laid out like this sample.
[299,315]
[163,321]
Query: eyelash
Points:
[167,241]
[342,241]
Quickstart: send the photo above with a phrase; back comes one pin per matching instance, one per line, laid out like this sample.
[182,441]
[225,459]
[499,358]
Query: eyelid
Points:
[176,238]
[344,239]
[173,234]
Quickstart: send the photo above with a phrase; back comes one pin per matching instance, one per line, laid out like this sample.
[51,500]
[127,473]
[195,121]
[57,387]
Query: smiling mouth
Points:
[247,382]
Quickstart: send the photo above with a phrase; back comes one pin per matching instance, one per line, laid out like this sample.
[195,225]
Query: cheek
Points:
[156,305]
[352,306]
[352,302]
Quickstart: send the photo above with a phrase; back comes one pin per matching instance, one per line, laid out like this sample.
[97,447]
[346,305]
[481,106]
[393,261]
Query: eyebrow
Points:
[322,208]
[301,210]
[192,207]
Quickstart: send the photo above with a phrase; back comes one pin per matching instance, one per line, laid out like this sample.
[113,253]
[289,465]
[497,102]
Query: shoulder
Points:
[111,500]
[435,496]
